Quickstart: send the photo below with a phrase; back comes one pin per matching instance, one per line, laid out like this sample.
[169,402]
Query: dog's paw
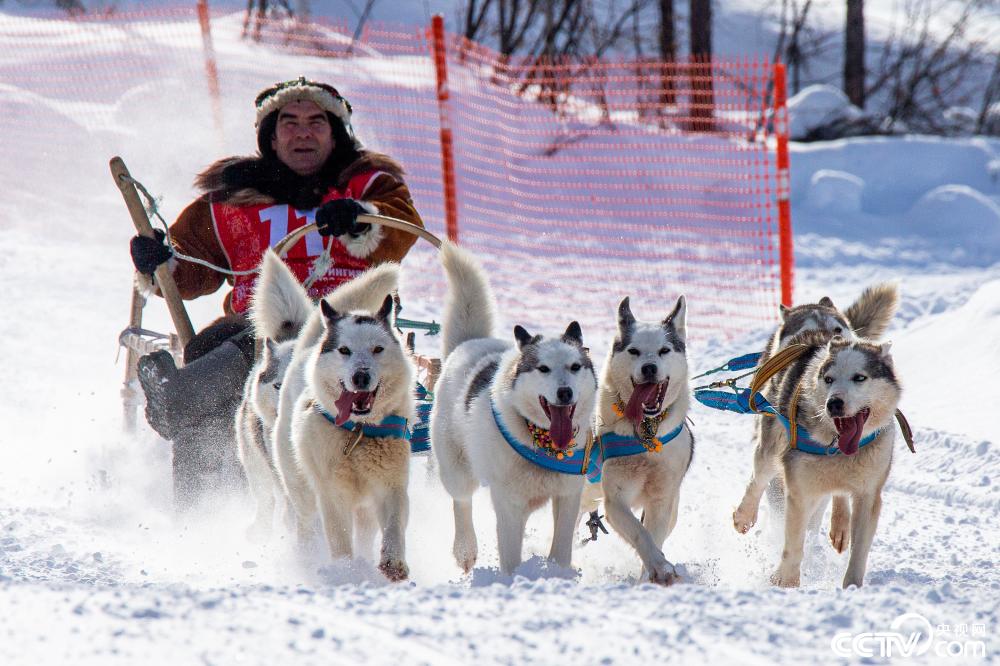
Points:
[665,576]
[840,537]
[466,555]
[785,579]
[394,570]
[744,518]
[853,580]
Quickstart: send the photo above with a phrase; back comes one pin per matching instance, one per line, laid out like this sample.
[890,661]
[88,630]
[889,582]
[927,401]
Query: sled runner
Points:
[140,342]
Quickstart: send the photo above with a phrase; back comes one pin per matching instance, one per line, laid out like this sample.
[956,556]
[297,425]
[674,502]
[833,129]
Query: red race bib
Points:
[245,232]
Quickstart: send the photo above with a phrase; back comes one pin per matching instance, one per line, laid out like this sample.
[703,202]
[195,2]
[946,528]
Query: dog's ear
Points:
[626,320]
[837,343]
[883,350]
[522,336]
[784,310]
[677,319]
[329,314]
[385,312]
[573,334]
[826,302]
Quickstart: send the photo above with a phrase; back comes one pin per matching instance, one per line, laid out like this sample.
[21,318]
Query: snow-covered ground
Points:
[95,569]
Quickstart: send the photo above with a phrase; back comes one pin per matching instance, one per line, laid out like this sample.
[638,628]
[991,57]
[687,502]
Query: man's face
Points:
[303,139]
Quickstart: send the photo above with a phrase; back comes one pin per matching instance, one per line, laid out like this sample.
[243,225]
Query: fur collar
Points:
[247,181]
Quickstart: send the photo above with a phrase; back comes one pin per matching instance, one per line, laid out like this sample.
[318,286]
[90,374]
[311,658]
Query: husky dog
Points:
[255,419]
[644,397]
[869,316]
[848,395]
[347,369]
[538,393]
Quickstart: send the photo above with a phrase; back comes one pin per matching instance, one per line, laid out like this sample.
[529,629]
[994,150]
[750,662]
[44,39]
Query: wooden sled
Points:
[139,341]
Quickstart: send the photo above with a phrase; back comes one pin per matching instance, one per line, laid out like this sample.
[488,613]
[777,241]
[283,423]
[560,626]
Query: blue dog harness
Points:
[739,401]
[577,463]
[391,426]
[613,445]
[420,440]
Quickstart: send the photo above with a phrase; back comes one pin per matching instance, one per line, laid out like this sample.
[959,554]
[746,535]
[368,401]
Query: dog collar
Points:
[646,430]
[391,426]
[579,462]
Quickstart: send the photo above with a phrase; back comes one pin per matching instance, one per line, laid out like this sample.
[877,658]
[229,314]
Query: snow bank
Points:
[835,191]
[816,106]
[912,198]
[950,362]
[962,217]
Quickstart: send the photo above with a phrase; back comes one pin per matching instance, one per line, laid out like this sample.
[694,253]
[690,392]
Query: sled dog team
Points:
[323,427]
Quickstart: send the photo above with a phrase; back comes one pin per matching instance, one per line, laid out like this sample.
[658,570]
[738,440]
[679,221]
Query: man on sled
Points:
[310,168]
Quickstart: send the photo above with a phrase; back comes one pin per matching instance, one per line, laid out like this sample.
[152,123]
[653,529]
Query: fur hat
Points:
[324,96]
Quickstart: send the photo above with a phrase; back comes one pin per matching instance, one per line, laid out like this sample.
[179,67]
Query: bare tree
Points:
[515,19]
[700,22]
[988,121]
[668,52]
[854,53]
[923,72]
[473,17]
[259,11]
[71,7]
[799,41]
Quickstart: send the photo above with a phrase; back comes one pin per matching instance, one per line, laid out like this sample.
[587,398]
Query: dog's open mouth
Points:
[354,403]
[646,400]
[560,422]
[849,429]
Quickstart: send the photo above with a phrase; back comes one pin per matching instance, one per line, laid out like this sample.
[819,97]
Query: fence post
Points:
[447,153]
[211,71]
[786,250]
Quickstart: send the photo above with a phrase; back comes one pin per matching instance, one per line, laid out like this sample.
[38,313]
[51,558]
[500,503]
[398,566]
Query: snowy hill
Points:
[94,568]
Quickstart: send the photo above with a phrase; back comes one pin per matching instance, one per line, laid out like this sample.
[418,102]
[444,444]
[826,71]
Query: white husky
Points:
[538,395]
[255,419]
[643,401]
[346,401]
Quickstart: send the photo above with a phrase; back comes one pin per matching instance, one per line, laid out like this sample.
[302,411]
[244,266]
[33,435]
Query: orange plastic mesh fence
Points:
[577,182]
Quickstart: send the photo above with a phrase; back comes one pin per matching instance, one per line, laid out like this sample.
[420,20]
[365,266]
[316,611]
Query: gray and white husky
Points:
[848,391]
[869,316]
[644,396]
[348,368]
[541,390]
[255,419]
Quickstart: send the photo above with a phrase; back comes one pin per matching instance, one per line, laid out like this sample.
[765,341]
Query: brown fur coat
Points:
[193,233]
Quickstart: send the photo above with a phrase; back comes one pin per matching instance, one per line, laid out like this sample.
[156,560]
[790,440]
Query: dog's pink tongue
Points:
[561,425]
[849,433]
[344,404]
[641,393]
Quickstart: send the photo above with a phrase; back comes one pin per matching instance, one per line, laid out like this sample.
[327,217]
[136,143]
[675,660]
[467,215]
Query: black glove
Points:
[148,253]
[339,217]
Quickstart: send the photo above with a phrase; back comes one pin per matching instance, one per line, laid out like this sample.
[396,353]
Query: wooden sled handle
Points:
[164,280]
[286,243]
